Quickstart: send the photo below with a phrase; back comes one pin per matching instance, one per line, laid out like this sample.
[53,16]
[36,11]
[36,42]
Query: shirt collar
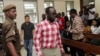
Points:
[50,22]
[10,20]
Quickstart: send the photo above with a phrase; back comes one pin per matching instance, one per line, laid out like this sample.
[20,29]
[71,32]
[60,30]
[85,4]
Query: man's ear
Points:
[6,12]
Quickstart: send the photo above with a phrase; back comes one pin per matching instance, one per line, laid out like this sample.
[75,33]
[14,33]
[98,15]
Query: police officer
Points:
[10,32]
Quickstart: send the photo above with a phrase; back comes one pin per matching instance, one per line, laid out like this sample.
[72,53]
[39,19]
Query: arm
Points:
[37,42]
[11,48]
[60,44]
[92,12]
[21,35]
[33,28]
[78,27]
[10,38]
[22,32]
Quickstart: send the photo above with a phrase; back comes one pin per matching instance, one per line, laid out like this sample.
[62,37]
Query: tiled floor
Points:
[23,52]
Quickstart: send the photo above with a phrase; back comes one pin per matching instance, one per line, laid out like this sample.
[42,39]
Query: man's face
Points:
[27,19]
[94,23]
[71,15]
[96,15]
[11,13]
[52,14]
[67,23]
[91,6]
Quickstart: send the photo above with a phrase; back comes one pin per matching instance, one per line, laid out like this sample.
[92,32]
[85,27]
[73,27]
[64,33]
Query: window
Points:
[69,5]
[31,10]
[1,12]
[47,4]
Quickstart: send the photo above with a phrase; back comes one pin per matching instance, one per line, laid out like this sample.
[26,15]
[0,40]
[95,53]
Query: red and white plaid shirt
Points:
[47,36]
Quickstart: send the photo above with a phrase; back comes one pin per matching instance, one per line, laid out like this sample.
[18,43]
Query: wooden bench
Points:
[92,36]
[88,48]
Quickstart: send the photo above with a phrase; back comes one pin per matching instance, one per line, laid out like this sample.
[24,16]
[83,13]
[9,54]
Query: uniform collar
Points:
[10,20]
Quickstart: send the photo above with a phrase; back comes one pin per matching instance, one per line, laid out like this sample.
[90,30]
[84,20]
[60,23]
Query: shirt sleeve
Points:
[60,43]
[10,33]
[59,40]
[22,28]
[37,42]
[97,31]
[78,26]
[33,26]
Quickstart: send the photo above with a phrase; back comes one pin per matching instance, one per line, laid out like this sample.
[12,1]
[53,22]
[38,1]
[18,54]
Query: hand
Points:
[21,40]
[63,54]
[67,30]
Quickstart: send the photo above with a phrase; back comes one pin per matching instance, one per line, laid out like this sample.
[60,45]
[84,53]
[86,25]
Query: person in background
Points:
[61,22]
[1,46]
[10,33]
[96,16]
[43,17]
[83,15]
[95,29]
[67,35]
[47,40]
[77,32]
[85,12]
[0,30]
[65,18]
[91,12]
[87,28]
[27,29]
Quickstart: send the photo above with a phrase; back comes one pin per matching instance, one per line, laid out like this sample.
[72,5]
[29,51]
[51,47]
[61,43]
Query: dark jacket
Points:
[67,35]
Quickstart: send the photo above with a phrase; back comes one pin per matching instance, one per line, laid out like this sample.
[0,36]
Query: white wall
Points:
[77,5]
[40,4]
[97,3]
[20,10]
[60,5]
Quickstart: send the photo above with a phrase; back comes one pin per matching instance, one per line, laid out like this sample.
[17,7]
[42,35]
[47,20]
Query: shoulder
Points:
[7,23]
[31,23]
[43,22]
[78,19]
[23,23]
[98,27]
[92,27]
[56,23]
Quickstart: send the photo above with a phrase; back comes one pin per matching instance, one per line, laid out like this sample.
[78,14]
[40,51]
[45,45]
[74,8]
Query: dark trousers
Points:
[89,22]
[66,48]
[61,33]
[78,51]
[75,50]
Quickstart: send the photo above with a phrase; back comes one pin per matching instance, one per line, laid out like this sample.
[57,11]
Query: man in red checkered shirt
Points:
[47,40]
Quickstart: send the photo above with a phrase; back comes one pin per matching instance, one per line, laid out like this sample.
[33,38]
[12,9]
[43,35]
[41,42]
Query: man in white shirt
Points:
[91,12]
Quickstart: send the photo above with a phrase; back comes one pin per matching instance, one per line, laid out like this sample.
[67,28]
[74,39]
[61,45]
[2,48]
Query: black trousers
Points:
[66,49]
[75,50]
[89,22]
